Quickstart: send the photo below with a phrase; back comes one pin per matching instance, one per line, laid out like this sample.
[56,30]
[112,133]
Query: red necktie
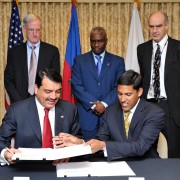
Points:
[47,132]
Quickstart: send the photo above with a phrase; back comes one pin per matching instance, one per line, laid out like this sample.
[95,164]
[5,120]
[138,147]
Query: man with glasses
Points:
[94,82]
[25,60]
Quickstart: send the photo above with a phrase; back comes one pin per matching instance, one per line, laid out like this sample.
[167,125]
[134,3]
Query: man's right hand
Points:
[8,154]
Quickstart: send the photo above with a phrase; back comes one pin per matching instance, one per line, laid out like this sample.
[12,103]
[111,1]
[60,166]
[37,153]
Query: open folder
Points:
[52,154]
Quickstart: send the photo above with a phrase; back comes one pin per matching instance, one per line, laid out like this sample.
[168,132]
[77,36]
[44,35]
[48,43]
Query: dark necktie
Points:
[32,71]
[126,122]
[47,132]
[99,64]
[156,83]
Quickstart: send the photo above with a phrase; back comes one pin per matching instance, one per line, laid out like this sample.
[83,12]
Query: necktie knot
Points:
[33,47]
[46,111]
[98,57]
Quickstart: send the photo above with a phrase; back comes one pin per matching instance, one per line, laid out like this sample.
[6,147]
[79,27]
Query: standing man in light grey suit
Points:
[94,82]
[169,73]
[16,75]
[134,138]
[24,119]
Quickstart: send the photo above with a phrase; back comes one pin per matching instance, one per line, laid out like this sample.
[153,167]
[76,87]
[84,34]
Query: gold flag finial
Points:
[17,2]
[137,3]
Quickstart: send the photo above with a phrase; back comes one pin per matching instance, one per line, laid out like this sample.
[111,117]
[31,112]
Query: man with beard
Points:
[25,120]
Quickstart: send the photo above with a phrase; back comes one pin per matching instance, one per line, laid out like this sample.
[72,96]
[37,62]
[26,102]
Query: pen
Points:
[9,150]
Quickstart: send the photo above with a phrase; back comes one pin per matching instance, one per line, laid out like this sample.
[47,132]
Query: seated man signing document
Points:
[34,121]
[130,127]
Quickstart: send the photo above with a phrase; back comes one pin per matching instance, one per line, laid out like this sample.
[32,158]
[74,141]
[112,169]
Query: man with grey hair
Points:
[94,82]
[25,60]
[160,68]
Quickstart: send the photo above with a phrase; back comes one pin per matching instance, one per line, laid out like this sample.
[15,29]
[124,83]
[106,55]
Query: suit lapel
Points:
[33,117]
[92,66]
[148,54]
[169,55]
[137,116]
[41,56]
[24,62]
[120,121]
[106,65]
[60,117]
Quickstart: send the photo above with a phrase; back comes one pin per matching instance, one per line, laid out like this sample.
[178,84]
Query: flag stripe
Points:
[72,50]
[15,37]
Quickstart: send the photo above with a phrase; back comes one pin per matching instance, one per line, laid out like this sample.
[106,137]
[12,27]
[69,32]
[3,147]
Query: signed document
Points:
[79,169]
[51,154]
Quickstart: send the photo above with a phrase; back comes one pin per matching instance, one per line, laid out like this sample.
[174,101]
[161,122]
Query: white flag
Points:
[135,38]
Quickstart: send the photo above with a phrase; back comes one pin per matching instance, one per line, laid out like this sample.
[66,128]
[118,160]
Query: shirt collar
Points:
[161,43]
[41,107]
[29,44]
[102,55]
[134,108]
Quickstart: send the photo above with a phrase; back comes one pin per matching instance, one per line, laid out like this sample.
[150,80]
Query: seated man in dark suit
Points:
[130,127]
[25,120]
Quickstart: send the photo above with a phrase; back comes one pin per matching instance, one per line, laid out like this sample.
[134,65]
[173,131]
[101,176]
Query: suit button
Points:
[99,84]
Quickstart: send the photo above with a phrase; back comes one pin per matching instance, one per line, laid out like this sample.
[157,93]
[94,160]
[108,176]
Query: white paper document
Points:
[51,154]
[78,169]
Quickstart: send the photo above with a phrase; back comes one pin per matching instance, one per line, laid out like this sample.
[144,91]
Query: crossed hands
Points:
[99,109]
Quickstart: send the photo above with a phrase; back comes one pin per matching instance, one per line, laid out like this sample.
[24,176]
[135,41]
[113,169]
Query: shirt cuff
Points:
[104,104]
[3,161]
[92,107]
[105,151]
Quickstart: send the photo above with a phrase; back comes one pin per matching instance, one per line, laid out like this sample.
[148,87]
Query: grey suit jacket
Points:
[22,122]
[16,72]
[146,123]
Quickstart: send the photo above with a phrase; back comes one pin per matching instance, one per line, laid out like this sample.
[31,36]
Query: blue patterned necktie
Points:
[157,63]
[99,64]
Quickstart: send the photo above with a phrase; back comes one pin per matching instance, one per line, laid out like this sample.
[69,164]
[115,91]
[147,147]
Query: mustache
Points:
[50,99]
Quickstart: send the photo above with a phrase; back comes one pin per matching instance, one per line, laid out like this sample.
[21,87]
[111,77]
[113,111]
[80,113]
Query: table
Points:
[151,169]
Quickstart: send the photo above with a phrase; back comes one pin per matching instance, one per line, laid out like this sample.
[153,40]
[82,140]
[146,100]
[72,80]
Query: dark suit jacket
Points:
[22,122]
[146,123]
[16,72]
[172,73]
[88,87]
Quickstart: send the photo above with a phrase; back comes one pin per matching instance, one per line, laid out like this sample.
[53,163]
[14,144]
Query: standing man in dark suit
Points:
[94,81]
[24,120]
[129,127]
[16,75]
[167,96]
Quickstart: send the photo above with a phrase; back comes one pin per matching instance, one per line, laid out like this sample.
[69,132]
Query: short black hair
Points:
[51,74]
[130,77]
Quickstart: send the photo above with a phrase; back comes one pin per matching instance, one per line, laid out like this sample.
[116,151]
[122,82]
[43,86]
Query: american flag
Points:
[15,29]
[15,36]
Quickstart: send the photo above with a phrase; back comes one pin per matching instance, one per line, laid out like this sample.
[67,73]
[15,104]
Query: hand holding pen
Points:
[8,154]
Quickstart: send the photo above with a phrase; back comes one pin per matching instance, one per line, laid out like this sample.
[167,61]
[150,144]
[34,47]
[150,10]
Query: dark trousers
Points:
[171,131]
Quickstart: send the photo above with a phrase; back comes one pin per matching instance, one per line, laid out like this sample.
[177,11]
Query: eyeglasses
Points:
[94,41]
[34,30]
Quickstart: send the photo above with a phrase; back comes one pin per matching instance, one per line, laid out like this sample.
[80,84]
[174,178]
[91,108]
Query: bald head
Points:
[158,24]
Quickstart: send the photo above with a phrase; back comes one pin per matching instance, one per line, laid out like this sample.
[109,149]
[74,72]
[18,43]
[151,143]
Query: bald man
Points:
[159,60]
